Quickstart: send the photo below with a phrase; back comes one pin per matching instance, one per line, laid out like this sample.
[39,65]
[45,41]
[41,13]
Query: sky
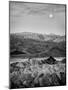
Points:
[37,18]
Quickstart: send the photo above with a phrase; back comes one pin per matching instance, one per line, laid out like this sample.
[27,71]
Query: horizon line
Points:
[38,33]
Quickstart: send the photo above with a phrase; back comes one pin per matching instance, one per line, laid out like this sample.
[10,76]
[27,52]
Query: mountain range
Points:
[37,45]
[42,37]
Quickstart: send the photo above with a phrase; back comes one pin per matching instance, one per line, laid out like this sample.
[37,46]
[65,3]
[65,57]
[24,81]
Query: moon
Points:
[50,15]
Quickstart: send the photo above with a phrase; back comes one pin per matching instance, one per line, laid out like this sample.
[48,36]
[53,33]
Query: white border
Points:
[4,43]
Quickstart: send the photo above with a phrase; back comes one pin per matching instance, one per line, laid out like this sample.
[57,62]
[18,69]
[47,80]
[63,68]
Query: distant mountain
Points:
[42,37]
[59,39]
[37,45]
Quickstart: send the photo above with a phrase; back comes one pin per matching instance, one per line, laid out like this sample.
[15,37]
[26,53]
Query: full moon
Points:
[50,15]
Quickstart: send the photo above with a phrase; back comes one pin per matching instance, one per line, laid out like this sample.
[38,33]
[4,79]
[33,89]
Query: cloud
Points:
[24,8]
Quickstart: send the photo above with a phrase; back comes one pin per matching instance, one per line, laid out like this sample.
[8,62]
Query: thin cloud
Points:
[34,8]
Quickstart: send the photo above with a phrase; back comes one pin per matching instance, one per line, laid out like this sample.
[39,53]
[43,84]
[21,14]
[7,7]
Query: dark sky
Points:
[37,18]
